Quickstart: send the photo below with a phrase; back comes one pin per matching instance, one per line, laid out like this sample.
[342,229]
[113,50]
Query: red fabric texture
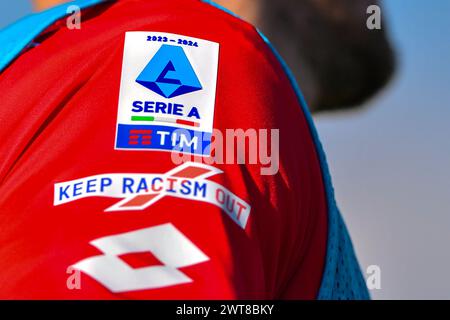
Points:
[58,120]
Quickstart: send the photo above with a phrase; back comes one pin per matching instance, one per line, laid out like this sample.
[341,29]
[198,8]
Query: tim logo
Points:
[169,73]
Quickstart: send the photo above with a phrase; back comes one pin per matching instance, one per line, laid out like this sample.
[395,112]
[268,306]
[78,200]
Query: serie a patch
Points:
[167,93]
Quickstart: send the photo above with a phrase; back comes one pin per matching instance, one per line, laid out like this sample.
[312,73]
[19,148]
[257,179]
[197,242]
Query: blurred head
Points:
[338,62]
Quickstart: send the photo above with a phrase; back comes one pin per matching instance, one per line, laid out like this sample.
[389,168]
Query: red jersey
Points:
[93,202]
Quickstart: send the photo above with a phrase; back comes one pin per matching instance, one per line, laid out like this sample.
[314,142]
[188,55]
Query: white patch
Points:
[138,191]
[167,93]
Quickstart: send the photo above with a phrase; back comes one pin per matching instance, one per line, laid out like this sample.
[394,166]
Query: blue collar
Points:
[16,37]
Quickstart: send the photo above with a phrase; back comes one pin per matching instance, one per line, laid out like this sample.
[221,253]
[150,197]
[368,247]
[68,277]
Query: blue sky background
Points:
[10,11]
[390,161]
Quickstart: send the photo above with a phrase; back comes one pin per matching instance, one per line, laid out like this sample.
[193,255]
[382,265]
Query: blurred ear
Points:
[45,4]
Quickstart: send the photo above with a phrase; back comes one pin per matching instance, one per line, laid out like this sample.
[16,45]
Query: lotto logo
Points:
[165,242]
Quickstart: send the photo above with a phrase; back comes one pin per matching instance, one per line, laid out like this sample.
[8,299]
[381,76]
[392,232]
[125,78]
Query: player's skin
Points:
[248,8]
[45,4]
[337,61]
